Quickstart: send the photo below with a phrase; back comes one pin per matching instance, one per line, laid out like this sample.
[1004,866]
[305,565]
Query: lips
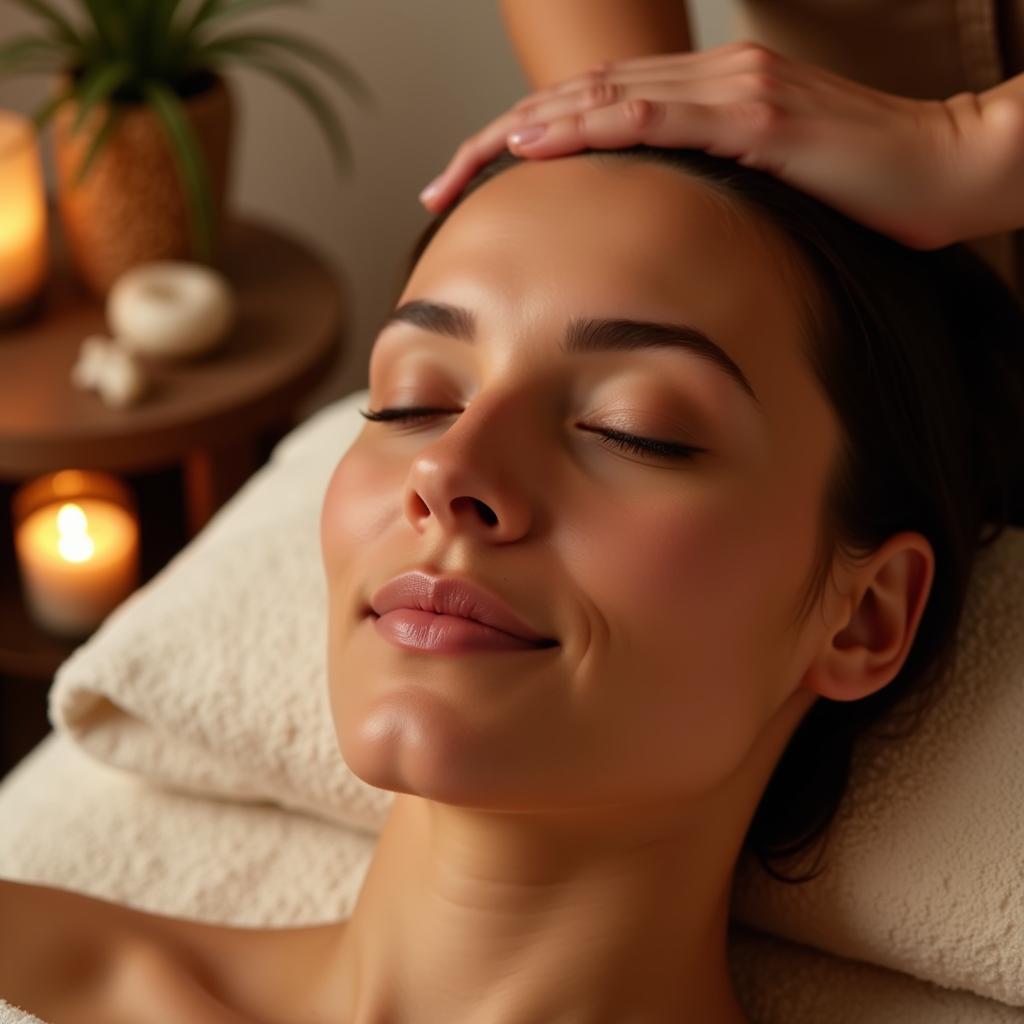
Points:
[454,596]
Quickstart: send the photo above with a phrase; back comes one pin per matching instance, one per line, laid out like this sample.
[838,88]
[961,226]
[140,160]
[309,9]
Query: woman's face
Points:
[669,583]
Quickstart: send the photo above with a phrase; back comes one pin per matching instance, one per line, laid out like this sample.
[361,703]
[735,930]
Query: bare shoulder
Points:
[70,957]
[53,942]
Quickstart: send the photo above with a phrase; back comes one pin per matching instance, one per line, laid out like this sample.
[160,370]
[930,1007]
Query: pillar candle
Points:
[24,258]
[77,544]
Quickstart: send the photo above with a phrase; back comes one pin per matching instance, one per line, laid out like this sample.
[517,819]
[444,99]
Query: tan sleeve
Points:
[926,49]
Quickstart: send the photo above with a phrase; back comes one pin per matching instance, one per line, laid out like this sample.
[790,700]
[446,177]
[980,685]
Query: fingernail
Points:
[431,190]
[524,136]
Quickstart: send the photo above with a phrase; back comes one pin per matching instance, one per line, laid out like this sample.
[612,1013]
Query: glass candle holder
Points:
[76,536]
[24,257]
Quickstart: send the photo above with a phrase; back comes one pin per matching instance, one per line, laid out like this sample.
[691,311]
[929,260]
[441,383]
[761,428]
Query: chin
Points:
[409,741]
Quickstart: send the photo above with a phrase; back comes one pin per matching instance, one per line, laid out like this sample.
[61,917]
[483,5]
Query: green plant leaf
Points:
[111,24]
[209,10]
[203,11]
[232,8]
[185,35]
[97,142]
[29,66]
[191,162]
[319,107]
[28,45]
[26,54]
[94,51]
[156,36]
[65,29]
[96,86]
[299,47]
[44,112]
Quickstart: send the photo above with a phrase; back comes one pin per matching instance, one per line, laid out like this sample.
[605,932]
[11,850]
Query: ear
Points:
[883,600]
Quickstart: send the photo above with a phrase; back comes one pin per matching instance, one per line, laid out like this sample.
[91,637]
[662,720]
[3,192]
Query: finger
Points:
[472,154]
[606,71]
[677,66]
[741,55]
[723,88]
[479,149]
[718,84]
[751,132]
[482,147]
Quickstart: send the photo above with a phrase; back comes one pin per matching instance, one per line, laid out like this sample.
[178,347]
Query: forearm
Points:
[555,39]
[996,199]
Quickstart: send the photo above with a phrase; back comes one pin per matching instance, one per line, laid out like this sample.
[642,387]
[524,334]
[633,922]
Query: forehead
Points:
[548,240]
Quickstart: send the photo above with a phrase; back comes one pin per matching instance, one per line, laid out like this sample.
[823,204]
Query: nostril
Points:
[486,513]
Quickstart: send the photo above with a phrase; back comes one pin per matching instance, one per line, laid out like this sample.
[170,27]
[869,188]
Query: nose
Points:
[465,481]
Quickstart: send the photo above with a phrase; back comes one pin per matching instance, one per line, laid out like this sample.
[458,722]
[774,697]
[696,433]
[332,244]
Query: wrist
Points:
[989,138]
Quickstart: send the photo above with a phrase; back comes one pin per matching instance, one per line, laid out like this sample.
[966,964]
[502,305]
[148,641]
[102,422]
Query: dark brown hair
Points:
[921,355]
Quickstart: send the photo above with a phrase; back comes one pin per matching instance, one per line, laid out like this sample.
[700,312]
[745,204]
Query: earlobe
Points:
[866,646]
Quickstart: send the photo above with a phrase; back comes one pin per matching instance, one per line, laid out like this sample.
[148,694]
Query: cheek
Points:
[360,501]
[668,562]
[687,601]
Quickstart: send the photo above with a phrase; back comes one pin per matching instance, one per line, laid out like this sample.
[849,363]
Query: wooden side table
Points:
[209,416]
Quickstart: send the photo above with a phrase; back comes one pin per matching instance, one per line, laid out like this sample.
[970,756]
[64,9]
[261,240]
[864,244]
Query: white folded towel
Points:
[211,679]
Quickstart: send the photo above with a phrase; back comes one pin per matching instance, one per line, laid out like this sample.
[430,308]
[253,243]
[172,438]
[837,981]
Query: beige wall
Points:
[440,70]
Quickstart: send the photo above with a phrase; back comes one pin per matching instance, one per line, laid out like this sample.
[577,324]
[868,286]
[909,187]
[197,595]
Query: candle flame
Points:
[75,544]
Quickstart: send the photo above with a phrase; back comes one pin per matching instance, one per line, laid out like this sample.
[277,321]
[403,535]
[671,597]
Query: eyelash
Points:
[645,446]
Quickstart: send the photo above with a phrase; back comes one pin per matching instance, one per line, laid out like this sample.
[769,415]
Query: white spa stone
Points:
[123,382]
[111,370]
[88,369]
[170,308]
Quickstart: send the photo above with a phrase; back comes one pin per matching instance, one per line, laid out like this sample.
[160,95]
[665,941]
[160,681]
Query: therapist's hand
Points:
[908,168]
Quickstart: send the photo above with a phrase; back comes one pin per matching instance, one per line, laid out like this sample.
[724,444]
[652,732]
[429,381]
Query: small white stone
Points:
[110,369]
[92,358]
[123,381]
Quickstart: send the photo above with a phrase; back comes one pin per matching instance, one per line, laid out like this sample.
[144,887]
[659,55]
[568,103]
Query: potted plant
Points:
[143,120]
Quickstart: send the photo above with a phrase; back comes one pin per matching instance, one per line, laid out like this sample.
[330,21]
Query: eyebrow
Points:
[584,334]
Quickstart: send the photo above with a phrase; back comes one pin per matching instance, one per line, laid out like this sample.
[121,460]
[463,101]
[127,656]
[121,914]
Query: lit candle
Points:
[23,251]
[77,542]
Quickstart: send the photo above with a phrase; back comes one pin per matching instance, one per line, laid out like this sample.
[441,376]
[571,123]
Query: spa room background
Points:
[438,71]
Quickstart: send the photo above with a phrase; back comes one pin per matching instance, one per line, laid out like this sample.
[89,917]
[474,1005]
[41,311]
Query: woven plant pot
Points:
[131,207]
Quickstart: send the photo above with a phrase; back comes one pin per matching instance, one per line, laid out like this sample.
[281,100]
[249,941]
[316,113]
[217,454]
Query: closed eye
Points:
[646,446]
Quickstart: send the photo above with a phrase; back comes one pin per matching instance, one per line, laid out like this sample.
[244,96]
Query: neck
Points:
[512,918]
